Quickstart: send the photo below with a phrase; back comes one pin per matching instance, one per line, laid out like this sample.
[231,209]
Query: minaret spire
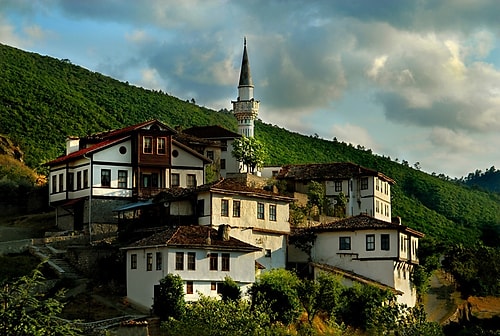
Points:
[245,108]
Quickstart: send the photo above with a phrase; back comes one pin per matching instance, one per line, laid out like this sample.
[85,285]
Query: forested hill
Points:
[43,100]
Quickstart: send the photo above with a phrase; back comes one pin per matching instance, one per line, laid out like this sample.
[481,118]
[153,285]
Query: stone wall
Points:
[85,258]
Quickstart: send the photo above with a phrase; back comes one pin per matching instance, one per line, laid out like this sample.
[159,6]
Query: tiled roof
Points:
[84,151]
[327,171]
[193,236]
[128,129]
[211,132]
[234,186]
[363,222]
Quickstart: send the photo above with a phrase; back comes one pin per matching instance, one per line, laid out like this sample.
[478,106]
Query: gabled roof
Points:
[363,222]
[129,129]
[211,132]
[193,236]
[84,151]
[327,171]
[236,187]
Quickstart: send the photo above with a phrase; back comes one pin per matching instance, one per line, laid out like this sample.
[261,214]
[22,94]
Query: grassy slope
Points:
[42,100]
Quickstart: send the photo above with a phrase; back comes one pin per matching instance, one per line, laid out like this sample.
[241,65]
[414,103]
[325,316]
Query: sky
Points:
[415,80]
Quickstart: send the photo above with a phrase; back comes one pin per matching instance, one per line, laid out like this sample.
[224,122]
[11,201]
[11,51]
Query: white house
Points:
[364,247]
[106,170]
[252,214]
[367,191]
[200,255]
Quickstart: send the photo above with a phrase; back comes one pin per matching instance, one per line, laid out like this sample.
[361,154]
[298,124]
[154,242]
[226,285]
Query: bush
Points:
[169,299]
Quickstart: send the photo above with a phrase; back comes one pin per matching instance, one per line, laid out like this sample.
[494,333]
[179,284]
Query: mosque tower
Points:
[245,108]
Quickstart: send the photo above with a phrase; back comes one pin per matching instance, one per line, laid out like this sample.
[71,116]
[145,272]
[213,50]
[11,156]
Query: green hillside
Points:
[42,100]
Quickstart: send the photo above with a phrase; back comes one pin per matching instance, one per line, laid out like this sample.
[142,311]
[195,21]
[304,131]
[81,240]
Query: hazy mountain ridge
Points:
[43,100]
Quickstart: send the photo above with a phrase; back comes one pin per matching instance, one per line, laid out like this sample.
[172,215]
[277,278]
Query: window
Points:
[149,262]
[86,178]
[364,183]
[213,286]
[175,180]
[338,185]
[191,261]
[267,253]
[61,182]
[189,287]
[147,145]
[225,261]
[161,146]
[210,155]
[272,212]
[370,242]
[78,180]
[71,181]
[224,208]
[222,163]
[384,242]
[122,179]
[200,208]
[54,184]
[344,243]
[133,261]
[105,177]
[191,181]
[236,208]
[260,210]
[179,261]
[158,261]
[214,261]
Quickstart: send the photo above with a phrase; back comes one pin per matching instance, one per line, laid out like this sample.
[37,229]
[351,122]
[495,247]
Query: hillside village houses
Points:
[149,182]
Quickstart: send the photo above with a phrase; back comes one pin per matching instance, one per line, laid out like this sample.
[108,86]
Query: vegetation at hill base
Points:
[283,304]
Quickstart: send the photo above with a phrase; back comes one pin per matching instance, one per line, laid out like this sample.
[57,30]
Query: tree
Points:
[25,311]
[169,301]
[250,152]
[316,196]
[277,290]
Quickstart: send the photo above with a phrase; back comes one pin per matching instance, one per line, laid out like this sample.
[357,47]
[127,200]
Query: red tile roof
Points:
[327,171]
[128,129]
[235,186]
[363,222]
[211,132]
[84,151]
[193,236]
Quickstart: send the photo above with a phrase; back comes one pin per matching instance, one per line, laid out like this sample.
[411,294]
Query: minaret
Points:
[245,108]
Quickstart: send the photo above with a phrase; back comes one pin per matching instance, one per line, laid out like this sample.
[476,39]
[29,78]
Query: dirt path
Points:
[441,300]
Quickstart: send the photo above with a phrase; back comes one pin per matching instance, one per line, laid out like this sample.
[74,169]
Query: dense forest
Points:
[43,100]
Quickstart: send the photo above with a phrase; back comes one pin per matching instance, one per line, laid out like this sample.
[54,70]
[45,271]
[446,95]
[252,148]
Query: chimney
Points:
[224,232]
[72,144]
[396,220]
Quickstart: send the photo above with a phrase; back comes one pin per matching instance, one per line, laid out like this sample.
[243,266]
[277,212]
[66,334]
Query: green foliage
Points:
[277,290]
[212,317]
[316,196]
[339,208]
[25,311]
[169,301]
[476,270]
[16,265]
[40,94]
[230,290]
[250,152]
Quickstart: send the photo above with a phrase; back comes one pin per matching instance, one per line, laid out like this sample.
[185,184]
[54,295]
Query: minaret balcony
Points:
[246,106]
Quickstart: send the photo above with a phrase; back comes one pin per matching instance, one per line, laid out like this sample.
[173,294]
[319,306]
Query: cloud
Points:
[354,134]
[452,141]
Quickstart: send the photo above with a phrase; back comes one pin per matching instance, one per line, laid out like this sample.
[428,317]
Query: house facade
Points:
[200,255]
[364,247]
[367,191]
[106,170]
[223,161]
